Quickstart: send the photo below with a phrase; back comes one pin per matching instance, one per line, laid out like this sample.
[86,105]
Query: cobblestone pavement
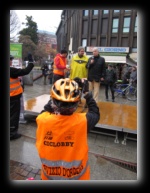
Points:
[21,171]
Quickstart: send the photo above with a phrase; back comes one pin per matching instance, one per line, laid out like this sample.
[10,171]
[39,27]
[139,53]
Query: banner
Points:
[16,52]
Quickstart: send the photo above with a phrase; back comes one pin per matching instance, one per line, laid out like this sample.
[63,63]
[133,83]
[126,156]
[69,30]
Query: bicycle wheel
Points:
[131,93]
[118,90]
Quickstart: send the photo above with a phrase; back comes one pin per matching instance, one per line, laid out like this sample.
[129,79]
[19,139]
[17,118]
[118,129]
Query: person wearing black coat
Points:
[16,91]
[96,72]
[45,70]
[110,79]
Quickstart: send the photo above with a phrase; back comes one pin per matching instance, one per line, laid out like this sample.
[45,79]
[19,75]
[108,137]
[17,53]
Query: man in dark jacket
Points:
[96,72]
[16,91]
[126,76]
[44,69]
[110,79]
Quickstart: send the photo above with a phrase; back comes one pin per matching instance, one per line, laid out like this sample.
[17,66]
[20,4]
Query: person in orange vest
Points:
[59,66]
[16,91]
[61,135]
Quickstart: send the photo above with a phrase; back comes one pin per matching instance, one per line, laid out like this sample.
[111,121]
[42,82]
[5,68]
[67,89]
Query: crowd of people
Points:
[61,135]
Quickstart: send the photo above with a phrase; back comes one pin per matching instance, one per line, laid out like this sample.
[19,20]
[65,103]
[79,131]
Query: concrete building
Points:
[113,29]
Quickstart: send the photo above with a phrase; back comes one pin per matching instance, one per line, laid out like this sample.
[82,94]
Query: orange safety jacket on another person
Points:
[61,142]
[15,87]
[62,63]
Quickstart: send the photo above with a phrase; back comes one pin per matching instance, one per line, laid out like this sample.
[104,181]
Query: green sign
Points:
[16,50]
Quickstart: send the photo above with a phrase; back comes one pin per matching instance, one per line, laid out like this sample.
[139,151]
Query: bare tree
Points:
[14,25]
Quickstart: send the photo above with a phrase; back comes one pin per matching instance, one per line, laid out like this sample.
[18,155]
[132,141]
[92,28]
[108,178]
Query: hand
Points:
[79,81]
[85,86]
[30,58]
[92,60]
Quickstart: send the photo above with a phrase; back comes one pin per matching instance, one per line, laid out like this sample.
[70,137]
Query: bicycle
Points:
[126,90]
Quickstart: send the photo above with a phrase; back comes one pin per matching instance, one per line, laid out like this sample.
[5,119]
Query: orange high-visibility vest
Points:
[62,145]
[58,70]
[15,87]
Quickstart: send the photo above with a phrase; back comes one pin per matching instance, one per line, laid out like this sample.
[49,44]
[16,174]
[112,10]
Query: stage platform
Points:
[115,118]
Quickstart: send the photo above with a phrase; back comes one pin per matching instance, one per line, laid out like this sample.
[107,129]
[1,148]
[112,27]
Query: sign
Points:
[16,52]
[109,49]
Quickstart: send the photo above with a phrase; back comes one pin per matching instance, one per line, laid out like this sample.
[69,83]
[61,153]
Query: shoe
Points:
[16,136]
[113,100]
[106,99]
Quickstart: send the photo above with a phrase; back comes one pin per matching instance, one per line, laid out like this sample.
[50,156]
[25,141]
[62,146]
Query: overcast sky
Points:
[46,19]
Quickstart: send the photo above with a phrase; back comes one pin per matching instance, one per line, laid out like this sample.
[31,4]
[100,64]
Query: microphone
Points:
[92,59]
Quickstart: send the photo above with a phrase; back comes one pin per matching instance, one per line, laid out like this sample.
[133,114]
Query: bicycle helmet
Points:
[65,94]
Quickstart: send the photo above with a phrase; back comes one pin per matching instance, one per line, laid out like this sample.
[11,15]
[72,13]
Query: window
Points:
[105,11]
[85,28]
[127,10]
[94,26]
[84,42]
[93,42]
[95,12]
[115,25]
[104,28]
[126,24]
[135,27]
[85,12]
[116,11]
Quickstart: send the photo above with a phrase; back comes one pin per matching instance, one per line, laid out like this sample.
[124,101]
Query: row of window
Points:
[115,27]
[95,12]
[126,25]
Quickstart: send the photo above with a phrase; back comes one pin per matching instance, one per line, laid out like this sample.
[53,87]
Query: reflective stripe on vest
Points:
[67,157]
[15,87]
[58,70]
[60,170]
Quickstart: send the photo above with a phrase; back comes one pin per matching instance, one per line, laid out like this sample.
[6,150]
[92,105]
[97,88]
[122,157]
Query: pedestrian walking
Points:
[110,79]
[44,69]
[50,73]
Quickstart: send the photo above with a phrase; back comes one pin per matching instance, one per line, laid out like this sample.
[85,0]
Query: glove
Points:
[79,81]
[88,95]
[85,86]
[30,59]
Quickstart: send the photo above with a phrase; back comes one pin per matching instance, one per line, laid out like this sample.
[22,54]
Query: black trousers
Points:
[111,86]
[14,115]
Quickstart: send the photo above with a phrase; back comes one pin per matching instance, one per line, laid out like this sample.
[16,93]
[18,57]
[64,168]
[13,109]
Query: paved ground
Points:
[108,160]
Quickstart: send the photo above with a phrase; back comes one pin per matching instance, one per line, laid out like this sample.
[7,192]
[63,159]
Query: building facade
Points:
[98,28]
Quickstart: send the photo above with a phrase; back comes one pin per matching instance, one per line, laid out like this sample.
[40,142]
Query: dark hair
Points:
[11,57]
[64,52]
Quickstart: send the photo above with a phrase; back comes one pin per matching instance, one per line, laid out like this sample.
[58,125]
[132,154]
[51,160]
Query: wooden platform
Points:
[35,105]
[115,117]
